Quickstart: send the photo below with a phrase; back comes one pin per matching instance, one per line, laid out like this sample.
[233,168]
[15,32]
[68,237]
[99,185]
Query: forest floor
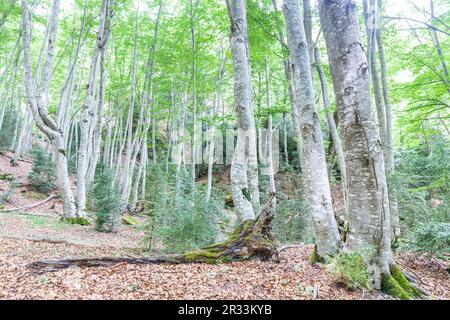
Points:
[38,234]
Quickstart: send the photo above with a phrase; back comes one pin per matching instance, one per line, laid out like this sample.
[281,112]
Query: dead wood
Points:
[252,239]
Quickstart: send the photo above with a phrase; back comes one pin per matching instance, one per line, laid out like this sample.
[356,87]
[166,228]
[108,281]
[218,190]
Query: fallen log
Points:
[30,206]
[252,239]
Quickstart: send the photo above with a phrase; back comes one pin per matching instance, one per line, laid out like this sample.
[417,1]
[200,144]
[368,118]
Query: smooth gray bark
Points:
[87,114]
[313,162]
[371,26]
[389,148]
[38,103]
[369,217]
[333,130]
[244,167]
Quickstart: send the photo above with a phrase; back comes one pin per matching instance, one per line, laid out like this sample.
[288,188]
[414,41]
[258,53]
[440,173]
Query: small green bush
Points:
[422,185]
[433,238]
[105,200]
[292,223]
[349,270]
[7,195]
[181,218]
[42,177]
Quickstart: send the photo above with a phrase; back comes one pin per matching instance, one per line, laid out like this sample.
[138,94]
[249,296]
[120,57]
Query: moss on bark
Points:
[251,239]
[315,257]
[77,220]
[397,286]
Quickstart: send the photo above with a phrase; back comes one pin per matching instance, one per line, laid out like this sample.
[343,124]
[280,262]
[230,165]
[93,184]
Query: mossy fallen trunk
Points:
[252,239]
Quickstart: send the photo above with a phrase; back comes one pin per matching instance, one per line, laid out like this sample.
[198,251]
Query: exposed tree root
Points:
[252,239]
[398,286]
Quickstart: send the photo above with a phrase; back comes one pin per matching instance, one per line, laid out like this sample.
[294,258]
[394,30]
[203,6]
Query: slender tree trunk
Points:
[38,103]
[4,103]
[308,23]
[389,149]
[126,175]
[371,25]
[211,140]
[269,139]
[436,41]
[333,130]
[194,94]
[88,113]
[369,218]
[244,167]
[313,161]
[98,124]
[288,75]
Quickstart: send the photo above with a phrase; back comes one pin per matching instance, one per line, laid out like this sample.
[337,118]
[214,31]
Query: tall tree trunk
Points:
[244,167]
[87,115]
[333,130]
[371,25]
[369,218]
[313,161]
[389,149]
[308,23]
[288,76]
[127,174]
[194,94]
[98,124]
[38,103]
[269,138]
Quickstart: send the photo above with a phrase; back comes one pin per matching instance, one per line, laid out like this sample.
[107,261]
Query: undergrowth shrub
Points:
[42,177]
[422,185]
[8,194]
[105,200]
[349,270]
[432,237]
[292,221]
[178,216]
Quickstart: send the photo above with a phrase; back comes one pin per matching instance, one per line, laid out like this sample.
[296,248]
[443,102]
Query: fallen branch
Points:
[289,247]
[12,159]
[29,206]
[60,241]
[55,265]
[252,239]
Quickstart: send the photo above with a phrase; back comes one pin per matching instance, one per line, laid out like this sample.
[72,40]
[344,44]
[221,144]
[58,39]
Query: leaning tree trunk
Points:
[38,103]
[252,239]
[369,217]
[244,167]
[313,161]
